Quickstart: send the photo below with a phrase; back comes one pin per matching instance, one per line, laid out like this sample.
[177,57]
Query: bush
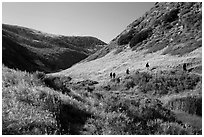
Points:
[165,83]
[189,104]
[171,16]
[121,115]
[128,83]
[125,38]
[156,22]
[172,128]
[27,107]
[193,21]
[57,83]
[139,37]
[40,75]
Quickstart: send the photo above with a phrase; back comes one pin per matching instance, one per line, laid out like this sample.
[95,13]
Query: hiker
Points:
[127,71]
[114,75]
[147,65]
[111,74]
[118,80]
[184,67]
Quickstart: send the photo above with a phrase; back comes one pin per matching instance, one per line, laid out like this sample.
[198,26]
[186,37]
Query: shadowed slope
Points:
[32,50]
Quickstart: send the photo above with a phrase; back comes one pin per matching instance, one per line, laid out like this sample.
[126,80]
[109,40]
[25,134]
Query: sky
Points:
[103,20]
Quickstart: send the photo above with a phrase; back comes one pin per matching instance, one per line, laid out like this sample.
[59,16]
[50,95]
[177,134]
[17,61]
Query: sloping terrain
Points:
[31,50]
[30,107]
[167,36]
[163,99]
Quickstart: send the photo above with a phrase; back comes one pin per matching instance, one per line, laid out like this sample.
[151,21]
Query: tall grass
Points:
[162,84]
[28,107]
[128,115]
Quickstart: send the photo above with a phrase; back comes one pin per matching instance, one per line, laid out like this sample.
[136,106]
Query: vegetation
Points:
[126,38]
[160,84]
[33,50]
[44,110]
[189,46]
[193,120]
[139,37]
[189,104]
[139,115]
[118,50]
[171,16]
[139,103]
[26,105]
[101,53]
[57,83]
[30,107]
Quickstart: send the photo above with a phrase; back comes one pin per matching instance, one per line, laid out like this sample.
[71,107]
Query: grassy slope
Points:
[114,111]
[166,47]
[24,104]
[99,69]
[34,50]
[29,107]
[28,103]
[185,48]
[174,26]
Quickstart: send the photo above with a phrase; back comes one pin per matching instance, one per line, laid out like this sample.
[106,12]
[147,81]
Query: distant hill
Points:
[31,50]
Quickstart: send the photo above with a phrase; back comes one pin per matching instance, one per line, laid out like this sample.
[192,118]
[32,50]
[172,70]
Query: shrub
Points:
[128,83]
[189,104]
[127,116]
[25,109]
[156,22]
[192,20]
[171,16]
[125,38]
[172,128]
[40,75]
[57,83]
[165,83]
[139,37]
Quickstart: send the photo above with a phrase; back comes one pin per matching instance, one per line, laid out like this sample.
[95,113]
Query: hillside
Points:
[31,50]
[167,36]
[162,99]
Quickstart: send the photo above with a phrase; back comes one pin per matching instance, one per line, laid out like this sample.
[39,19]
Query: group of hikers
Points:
[113,75]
